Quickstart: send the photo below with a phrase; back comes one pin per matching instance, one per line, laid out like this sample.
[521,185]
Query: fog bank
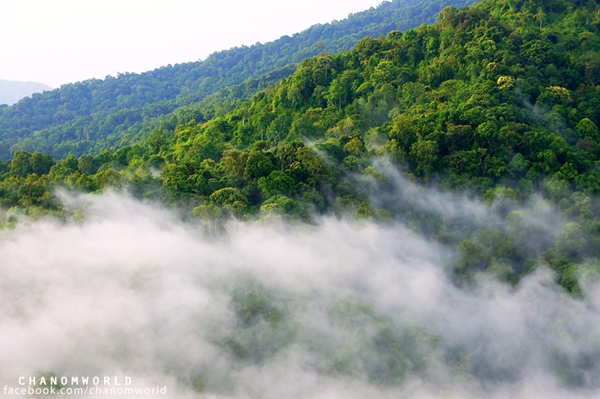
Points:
[269,310]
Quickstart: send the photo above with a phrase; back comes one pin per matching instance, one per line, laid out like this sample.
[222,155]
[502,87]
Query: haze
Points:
[337,309]
[65,41]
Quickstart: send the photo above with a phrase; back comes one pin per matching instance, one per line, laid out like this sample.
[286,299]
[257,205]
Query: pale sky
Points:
[62,41]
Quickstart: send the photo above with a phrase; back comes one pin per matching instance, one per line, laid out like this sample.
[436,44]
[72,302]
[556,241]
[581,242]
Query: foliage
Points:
[490,101]
[94,115]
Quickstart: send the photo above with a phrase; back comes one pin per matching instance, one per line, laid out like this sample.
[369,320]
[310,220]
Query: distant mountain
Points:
[93,115]
[11,91]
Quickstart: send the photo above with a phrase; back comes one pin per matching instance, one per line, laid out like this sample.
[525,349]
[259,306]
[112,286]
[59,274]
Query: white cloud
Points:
[134,292]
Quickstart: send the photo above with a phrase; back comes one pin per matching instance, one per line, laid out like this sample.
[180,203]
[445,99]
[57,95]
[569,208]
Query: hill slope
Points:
[96,114]
[498,104]
[498,99]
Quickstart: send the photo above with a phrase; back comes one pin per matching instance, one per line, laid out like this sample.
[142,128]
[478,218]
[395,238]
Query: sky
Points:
[63,41]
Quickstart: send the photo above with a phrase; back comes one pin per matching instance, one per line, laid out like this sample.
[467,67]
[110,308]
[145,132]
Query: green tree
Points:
[424,153]
[276,183]
[21,164]
[41,163]
[258,164]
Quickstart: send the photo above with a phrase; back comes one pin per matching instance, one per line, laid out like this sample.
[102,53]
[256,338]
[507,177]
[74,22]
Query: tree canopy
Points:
[499,100]
[94,115]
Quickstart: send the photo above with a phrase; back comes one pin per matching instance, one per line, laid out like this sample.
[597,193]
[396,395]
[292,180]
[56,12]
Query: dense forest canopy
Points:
[416,216]
[94,115]
[499,100]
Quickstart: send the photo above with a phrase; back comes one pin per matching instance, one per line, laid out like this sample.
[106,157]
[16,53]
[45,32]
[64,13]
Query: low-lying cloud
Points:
[339,309]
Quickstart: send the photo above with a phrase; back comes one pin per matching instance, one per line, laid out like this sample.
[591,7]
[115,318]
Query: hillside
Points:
[11,91]
[97,114]
[497,100]
[416,217]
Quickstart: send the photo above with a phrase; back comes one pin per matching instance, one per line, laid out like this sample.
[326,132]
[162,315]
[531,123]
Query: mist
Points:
[271,309]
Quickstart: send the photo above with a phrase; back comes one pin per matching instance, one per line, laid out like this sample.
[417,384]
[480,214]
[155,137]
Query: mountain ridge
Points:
[77,117]
[488,101]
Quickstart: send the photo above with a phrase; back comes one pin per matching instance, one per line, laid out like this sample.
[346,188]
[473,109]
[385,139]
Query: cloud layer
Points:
[268,310]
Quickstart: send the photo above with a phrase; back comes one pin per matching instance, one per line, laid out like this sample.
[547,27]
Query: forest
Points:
[471,142]
[498,100]
[98,114]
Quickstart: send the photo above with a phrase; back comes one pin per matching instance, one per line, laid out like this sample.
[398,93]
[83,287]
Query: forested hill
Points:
[478,133]
[499,99]
[96,114]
